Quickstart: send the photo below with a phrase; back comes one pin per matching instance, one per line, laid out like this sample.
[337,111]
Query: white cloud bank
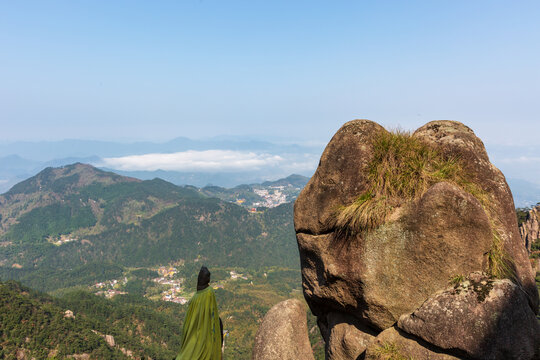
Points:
[203,161]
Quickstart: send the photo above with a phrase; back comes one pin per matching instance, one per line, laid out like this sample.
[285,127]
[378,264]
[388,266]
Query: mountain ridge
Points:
[67,217]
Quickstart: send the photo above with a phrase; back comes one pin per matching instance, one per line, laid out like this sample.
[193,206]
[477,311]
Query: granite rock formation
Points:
[283,334]
[482,317]
[373,275]
[530,228]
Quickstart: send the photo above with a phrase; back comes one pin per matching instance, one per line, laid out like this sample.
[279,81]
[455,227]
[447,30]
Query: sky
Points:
[156,70]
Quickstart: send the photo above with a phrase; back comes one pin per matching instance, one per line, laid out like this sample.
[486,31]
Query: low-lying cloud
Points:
[194,161]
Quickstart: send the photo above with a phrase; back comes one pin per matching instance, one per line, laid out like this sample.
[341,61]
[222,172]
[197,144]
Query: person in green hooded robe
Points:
[202,331]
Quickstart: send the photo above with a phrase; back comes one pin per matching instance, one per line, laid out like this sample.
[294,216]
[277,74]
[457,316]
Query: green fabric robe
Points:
[201,338]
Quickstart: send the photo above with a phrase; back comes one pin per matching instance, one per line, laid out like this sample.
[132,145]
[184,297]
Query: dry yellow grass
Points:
[390,351]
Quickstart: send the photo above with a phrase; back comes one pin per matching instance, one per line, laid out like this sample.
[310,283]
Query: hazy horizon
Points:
[143,71]
[264,158]
[282,72]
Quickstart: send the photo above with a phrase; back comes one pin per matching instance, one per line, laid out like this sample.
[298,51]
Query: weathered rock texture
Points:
[373,281]
[348,338]
[395,345]
[283,334]
[530,228]
[457,139]
[377,276]
[485,318]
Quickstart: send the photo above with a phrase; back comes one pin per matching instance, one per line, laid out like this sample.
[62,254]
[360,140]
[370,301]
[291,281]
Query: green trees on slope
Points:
[36,324]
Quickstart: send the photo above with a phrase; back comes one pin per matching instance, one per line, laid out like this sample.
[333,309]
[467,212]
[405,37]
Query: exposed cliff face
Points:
[530,228]
[388,219]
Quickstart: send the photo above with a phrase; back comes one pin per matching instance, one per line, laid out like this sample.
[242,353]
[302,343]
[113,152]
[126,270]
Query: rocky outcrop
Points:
[21,354]
[283,334]
[456,139]
[109,339]
[484,318]
[530,228]
[372,280]
[374,274]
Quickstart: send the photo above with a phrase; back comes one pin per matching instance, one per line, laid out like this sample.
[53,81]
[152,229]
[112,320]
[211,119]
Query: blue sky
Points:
[155,70]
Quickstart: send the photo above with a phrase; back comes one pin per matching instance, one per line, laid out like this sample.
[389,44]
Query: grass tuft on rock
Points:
[456,280]
[402,169]
[390,351]
[500,264]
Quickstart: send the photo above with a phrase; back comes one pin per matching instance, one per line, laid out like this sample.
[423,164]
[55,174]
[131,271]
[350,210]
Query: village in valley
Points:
[272,197]
[172,286]
[110,288]
[269,197]
[257,197]
[175,291]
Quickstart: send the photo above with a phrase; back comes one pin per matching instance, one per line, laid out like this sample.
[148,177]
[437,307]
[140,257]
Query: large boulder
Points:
[283,334]
[377,273]
[485,318]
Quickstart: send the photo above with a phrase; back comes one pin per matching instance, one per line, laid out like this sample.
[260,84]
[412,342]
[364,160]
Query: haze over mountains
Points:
[222,161]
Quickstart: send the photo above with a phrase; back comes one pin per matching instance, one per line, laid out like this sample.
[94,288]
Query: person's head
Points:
[204,278]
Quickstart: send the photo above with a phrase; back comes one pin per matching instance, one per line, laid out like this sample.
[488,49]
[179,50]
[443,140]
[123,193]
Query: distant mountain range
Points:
[46,150]
[259,160]
[274,159]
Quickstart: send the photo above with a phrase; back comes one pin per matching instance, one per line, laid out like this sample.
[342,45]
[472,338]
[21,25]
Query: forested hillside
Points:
[78,224]
[35,324]
[38,326]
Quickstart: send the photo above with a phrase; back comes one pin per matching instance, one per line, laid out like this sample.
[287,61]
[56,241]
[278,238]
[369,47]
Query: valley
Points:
[139,318]
[124,253]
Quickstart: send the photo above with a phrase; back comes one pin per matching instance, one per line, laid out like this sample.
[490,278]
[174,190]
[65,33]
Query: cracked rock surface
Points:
[485,318]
